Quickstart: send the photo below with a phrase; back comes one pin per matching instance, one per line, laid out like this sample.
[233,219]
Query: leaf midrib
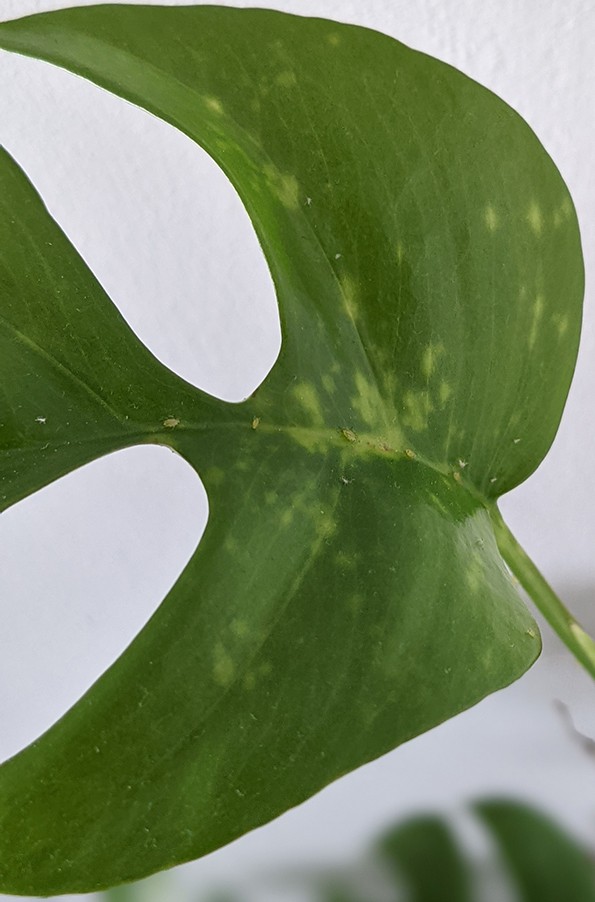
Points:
[324,439]
[366,443]
[59,365]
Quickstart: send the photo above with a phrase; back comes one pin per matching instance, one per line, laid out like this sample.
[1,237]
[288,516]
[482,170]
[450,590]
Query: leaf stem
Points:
[559,618]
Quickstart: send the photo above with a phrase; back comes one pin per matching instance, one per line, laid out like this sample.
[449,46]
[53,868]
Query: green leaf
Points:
[540,860]
[348,592]
[546,863]
[423,853]
[76,383]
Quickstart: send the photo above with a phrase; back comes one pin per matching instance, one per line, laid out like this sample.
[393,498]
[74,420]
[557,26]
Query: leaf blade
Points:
[423,854]
[76,382]
[546,863]
[346,437]
[246,110]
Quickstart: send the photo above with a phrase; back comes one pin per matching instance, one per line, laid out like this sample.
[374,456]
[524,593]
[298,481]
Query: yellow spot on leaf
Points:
[239,628]
[367,402]
[430,357]
[214,104]
[474,573]
[286,79]
[214,476]
[286,517]
[535,217]
[561,323]
[444,392]
[563,213]
[349,434]
[417,407]
[315,441]
[329,383]
[325,525]
[223,666]
[255,422]
[171,422]
[283,185]
[538,306]
[307,397]
[491,218]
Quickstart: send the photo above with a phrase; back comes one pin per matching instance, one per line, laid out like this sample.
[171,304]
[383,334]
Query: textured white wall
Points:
[86,561]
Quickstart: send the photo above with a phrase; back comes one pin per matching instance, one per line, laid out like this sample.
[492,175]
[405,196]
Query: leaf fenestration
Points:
[348,593]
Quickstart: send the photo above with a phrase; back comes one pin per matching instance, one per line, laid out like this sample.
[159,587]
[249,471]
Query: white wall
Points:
[86,561]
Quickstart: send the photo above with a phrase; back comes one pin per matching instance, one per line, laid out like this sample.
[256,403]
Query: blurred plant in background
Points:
[525,857]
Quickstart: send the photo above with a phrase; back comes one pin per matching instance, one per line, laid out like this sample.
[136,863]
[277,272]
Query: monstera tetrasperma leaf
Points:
[348,592]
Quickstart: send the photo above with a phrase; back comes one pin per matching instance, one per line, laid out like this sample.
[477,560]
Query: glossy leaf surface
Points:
[348,593]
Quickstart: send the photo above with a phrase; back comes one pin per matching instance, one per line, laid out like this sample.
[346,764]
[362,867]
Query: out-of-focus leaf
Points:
[424,856]
[547,865]
[125,893]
